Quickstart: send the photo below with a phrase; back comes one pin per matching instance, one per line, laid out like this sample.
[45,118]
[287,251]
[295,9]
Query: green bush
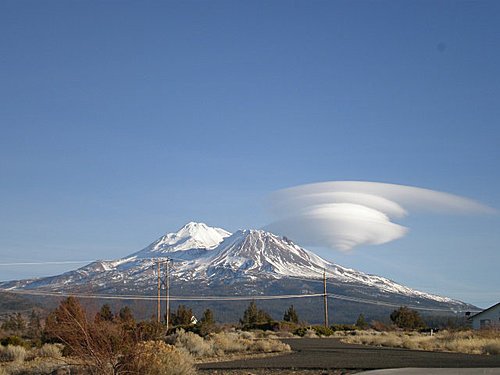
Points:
[322,330]
[263,326]
[301,331]
[407,319]
[343,327]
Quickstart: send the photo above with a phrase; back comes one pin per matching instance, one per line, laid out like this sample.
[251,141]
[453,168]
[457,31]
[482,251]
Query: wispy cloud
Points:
[345,214]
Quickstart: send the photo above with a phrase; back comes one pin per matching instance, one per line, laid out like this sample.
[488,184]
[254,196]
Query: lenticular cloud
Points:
[345,214]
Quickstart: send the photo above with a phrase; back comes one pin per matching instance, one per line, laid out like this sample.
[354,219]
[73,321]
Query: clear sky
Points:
[121,121]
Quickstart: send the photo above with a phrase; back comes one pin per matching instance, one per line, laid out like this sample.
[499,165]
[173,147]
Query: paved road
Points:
[433,371]
[333,354]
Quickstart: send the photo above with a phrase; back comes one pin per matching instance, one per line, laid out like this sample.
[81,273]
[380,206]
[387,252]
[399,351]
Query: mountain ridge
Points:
[246,262]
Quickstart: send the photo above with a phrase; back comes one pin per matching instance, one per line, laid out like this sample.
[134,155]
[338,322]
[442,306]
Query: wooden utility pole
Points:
[167,294]
[158,315]
[325,298]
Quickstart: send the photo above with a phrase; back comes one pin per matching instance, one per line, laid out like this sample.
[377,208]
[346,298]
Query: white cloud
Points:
[345,214]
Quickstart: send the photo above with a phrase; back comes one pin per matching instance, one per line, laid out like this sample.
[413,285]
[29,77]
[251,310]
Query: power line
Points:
[223,298]
[154,298]
[389,304]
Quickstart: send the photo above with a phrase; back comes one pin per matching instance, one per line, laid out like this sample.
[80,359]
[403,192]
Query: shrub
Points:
[301,331]
[12,354]
[270,346]
[463,342]
[492,348]
[287,327]
[379,326]
[103,346]
[193,343]
[230,342]
[247,335]
[361,322]
[407,318]
[310,334]
[343,327]
[158,358]
[322,331]
[50,351]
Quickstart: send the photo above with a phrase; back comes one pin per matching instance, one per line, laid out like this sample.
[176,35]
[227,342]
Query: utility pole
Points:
[167,293]
[325,298]
[158,314]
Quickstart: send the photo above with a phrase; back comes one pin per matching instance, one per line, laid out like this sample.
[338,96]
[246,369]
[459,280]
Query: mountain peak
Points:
[256,252]
[192,236]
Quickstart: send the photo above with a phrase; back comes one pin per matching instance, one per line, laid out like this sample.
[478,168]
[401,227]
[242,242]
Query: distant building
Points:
[488,318]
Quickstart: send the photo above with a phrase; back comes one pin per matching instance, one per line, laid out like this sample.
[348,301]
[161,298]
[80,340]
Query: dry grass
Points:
[311,334]
[268,334]
[194,344]
[18,360]
[158,358]
[39,366]
[50,351]
[470,342]
[226,343]
[12,353]
[269,346]
[230,342]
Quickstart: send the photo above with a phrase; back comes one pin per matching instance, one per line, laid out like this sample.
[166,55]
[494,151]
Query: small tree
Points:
[207,322]
[34,325]
[361,322]
[291,315]
[105,314]
[182,317]
[253,315]
[406,318]
[264,317]
[208,317]
[14,323]
[126,315]
[250,315]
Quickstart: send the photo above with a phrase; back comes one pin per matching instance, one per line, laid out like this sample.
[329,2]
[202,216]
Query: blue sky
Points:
[123,120]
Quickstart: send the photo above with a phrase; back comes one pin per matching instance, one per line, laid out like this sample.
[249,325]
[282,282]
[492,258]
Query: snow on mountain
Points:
[207,256]
[256,254]
[191,237]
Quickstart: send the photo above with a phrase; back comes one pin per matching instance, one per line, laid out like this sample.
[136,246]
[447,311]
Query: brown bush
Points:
[104,346]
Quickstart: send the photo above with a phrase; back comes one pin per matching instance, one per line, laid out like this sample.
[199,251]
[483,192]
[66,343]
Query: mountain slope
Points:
[210,261]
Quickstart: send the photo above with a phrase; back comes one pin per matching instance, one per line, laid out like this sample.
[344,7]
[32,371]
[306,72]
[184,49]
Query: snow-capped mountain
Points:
[192,240]
[211,261]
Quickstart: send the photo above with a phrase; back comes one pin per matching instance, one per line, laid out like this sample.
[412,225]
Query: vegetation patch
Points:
[470,342]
